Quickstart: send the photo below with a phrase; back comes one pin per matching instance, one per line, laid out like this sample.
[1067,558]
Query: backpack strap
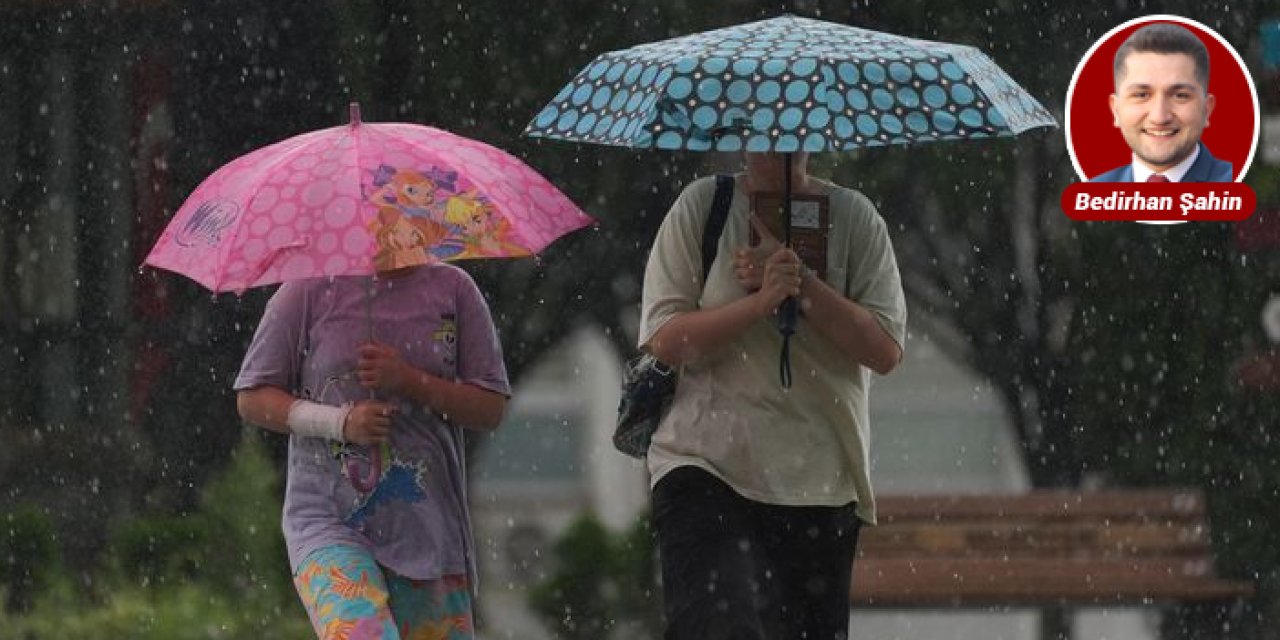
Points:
[715,223]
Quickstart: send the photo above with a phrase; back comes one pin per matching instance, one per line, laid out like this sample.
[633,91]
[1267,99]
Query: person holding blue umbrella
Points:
[760,467]
[788,85]
[760,490]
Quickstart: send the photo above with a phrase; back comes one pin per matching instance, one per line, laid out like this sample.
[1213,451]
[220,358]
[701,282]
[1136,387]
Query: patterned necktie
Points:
[1155,177]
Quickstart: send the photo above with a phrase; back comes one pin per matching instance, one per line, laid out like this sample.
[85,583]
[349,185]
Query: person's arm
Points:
[851,327]
[674,328]
[273,360]
[265,406]
[694,334]
[270,407]
[381,367]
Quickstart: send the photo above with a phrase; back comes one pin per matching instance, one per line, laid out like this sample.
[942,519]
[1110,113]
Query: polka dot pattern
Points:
[789,84]
[308,206]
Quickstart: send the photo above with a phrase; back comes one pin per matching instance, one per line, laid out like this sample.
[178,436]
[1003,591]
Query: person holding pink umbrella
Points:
[398,557]
[373,355]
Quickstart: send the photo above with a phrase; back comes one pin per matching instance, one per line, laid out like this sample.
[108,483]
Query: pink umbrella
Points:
[354,200]
[358,198]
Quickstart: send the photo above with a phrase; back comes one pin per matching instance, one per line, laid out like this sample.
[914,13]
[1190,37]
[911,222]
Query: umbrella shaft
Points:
[786,203]
[788,312]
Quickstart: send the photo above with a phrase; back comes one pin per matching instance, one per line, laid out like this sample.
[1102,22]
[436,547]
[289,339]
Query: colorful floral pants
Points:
[350,597]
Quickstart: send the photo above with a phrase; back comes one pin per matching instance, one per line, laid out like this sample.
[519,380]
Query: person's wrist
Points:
[315,420]
[759,304]
[405,374]
[808,279]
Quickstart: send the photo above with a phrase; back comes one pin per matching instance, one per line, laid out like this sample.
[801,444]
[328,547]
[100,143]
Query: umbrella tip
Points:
[353,111]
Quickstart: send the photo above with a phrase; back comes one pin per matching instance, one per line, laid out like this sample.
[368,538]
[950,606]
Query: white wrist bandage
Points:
[307,418]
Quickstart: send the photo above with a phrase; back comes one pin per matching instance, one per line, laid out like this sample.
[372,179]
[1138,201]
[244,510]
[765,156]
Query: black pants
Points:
[736,569]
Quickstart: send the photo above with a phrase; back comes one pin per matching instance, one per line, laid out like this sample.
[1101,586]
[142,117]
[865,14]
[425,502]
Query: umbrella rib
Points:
[269,167]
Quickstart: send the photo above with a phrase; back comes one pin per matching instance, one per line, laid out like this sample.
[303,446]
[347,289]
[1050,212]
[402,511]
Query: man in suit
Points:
[1161,105]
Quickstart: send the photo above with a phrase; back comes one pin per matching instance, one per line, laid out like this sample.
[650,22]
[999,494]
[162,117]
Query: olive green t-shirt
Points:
[807,445]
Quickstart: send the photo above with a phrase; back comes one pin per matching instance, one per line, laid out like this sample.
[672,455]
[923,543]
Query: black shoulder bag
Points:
[648,385]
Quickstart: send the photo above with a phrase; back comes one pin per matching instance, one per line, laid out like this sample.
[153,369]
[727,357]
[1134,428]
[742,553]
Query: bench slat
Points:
[1040,548]
[1135,504]
[897,582]
[999,538]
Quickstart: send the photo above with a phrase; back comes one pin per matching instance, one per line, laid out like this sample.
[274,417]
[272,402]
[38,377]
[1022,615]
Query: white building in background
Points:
[551,460]
[937,428]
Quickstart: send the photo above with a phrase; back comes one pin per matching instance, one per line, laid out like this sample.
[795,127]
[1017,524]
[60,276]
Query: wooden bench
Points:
[1051,550]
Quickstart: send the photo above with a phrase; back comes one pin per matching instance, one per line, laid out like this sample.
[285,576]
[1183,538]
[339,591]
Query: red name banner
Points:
[1159,202]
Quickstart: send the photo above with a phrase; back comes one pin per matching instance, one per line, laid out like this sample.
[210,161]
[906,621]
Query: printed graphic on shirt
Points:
[444,341]
[401,481]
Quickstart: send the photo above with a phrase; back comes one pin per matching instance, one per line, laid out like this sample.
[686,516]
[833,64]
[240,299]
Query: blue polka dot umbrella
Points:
[788,84]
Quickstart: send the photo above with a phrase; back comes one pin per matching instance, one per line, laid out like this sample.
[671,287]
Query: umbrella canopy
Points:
[356,199]
[788,84]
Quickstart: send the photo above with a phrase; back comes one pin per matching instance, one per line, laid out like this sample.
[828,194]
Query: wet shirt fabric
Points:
[416,519]
[808,445]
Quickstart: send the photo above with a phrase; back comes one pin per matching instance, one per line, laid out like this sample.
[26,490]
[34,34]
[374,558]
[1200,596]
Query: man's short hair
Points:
[1164,37]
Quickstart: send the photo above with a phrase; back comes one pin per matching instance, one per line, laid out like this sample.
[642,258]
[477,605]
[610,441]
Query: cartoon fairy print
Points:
[419,195]
[409,225]
[400,242]
[482,234]
[422,217]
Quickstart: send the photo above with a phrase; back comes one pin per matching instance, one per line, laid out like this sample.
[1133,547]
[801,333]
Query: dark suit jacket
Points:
[1206,168]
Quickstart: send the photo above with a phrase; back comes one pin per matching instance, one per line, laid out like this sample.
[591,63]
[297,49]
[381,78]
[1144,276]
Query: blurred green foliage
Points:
[219,572]
[602,584]
[28,555]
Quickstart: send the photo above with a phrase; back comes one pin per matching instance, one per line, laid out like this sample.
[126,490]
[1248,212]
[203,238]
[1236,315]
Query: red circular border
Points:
[1232,133]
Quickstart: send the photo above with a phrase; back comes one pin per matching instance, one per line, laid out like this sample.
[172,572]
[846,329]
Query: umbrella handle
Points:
[365,483]
[788,312]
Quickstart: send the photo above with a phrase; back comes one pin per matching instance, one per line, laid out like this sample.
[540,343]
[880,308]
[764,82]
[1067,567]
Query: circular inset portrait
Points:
[1161,99]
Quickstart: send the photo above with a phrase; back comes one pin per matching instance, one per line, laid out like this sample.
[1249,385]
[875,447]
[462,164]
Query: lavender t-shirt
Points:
[416,519]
